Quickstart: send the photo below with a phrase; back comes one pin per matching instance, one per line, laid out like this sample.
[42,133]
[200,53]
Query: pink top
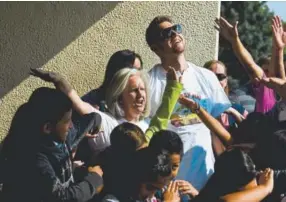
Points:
[265,98]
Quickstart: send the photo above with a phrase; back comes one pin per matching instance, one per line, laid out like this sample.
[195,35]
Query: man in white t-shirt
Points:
[166,40]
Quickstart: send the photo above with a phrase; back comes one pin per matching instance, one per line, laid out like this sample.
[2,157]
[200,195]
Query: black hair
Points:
[153,164]
[45,105]
[270,150]
[153,30]
[149,166]
[233,170]
[253,128]
[119,60]
[167,140]
[117,160]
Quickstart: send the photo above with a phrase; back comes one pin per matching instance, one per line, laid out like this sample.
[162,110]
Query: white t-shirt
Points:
[108,123]
[202,86]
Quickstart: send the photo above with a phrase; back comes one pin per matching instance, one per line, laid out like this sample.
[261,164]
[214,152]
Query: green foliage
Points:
[254,29]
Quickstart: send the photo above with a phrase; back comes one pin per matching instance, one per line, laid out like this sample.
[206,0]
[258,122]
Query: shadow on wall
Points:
[34,32]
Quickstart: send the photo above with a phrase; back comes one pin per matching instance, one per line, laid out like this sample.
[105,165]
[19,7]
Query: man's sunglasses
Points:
[171,31]
[221,77]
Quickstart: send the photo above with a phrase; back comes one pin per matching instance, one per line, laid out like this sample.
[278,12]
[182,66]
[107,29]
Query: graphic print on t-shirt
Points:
[183,116]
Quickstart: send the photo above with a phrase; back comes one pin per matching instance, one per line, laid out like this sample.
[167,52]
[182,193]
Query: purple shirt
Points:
[265,98]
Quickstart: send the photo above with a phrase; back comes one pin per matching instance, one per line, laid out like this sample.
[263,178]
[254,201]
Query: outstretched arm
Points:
[278,45]
[213,124]
[230,33]
[63,85]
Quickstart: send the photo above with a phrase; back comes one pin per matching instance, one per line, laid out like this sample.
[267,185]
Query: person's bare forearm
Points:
[280,63]
[254,195]
[245,58]
[215,126]
[273,63]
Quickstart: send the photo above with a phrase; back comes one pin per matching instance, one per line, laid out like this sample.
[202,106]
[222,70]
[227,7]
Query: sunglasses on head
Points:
[221,77]
[171,31]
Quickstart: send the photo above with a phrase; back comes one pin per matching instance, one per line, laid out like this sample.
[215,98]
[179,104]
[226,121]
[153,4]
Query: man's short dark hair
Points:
[153,29]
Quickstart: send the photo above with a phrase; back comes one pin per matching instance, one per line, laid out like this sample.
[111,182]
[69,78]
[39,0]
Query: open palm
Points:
[279,36]
[228,31]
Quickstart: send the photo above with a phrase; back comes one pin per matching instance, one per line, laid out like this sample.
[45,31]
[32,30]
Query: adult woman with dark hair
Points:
[96,97]
[119,60]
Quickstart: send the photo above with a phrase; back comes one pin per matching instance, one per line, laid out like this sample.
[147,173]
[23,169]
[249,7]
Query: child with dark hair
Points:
[150,172]
[171,142]
[38,141]
[125,140]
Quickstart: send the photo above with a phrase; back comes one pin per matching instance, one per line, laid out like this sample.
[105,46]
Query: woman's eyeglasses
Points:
[171,31]
[221,77]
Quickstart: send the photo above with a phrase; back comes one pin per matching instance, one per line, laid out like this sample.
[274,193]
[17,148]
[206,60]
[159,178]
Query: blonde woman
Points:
[127,100]
[236,113]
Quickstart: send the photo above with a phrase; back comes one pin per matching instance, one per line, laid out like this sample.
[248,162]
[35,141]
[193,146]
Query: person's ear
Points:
[154,48]
[47,128]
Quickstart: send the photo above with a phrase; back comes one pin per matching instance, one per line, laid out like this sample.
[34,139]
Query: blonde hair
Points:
[117,86]
[208,65]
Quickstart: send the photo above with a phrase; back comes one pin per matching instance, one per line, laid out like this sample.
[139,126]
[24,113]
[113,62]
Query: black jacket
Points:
[44,174]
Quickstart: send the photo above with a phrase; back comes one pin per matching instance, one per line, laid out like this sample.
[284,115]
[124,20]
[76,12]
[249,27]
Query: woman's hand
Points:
[186,188]
[172,193]
[279,36]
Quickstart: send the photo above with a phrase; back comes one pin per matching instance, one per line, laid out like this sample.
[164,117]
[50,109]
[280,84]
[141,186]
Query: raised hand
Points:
[228,31]
[45,75]
[59,81]
[172,75]
[277,84]
[279,36]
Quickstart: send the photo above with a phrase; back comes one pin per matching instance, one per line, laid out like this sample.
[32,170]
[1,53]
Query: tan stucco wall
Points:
[77,38]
